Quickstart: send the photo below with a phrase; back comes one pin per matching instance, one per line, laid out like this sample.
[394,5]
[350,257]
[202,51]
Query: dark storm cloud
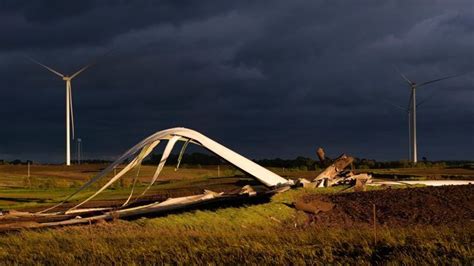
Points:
[63,24]
[269,79]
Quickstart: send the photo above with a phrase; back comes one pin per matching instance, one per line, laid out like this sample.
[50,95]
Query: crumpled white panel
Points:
[164,157]
[260,173]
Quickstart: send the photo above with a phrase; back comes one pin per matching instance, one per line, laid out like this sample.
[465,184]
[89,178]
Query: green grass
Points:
[18,198]
[124,243]
[270,233]
[59,176]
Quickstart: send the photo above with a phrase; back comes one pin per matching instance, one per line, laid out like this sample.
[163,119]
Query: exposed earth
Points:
[397,207]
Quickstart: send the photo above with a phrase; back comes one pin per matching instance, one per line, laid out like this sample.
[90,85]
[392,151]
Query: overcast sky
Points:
[265,78]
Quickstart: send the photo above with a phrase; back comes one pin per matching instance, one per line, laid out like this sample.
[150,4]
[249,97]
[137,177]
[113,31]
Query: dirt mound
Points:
[399,207]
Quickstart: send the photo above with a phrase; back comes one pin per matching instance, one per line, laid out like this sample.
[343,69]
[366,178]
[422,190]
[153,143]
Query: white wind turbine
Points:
[407,111]
[412,110]
[69,106]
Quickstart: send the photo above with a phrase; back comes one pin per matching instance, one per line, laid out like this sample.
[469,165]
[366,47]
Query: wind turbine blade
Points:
[440,79]
[402,75]
[409,101]
[396,105]
[81,70]
[72,110]
[425,99]
[94,62]
[47,67]
[180,157]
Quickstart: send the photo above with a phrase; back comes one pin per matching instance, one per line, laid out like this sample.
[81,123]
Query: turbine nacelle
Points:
[66,78]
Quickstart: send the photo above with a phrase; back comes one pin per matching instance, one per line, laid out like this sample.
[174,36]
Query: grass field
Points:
[267,233]
[270,233]
[49,183]
[16,175]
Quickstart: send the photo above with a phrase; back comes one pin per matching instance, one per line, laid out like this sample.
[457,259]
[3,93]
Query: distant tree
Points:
[15,162]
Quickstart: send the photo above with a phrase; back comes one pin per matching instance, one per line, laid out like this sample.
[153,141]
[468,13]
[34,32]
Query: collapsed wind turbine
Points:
[69,106]
[412,109]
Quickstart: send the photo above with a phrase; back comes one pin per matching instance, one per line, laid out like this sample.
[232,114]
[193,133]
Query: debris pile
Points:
[132,206]
[337,174]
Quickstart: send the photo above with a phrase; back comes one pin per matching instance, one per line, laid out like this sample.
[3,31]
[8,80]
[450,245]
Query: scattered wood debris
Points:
[337,173]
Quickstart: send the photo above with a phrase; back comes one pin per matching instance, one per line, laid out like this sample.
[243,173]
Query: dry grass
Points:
[270,233]
[59,176]
[63,177]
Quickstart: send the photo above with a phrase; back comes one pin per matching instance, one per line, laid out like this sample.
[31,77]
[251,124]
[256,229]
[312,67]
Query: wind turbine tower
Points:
[69,106]
[412,110]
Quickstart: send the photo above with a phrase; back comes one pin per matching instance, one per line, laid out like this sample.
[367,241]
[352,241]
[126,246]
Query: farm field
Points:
[413,225]
[16,175]
[272,232]
[49,183]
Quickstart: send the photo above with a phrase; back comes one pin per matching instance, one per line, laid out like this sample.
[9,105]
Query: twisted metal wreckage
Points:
[133,158]
[334,174]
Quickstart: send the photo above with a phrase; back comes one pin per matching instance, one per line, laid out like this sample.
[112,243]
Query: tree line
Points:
[300,162]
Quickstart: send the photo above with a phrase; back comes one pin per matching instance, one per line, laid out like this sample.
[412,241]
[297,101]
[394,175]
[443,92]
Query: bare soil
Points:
[398,207]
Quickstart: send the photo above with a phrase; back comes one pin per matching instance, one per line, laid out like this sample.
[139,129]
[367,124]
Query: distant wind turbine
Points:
[69,106]
[412,109]
[408,112]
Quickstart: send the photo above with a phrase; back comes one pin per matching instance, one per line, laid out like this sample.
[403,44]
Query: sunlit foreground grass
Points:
[261,234]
